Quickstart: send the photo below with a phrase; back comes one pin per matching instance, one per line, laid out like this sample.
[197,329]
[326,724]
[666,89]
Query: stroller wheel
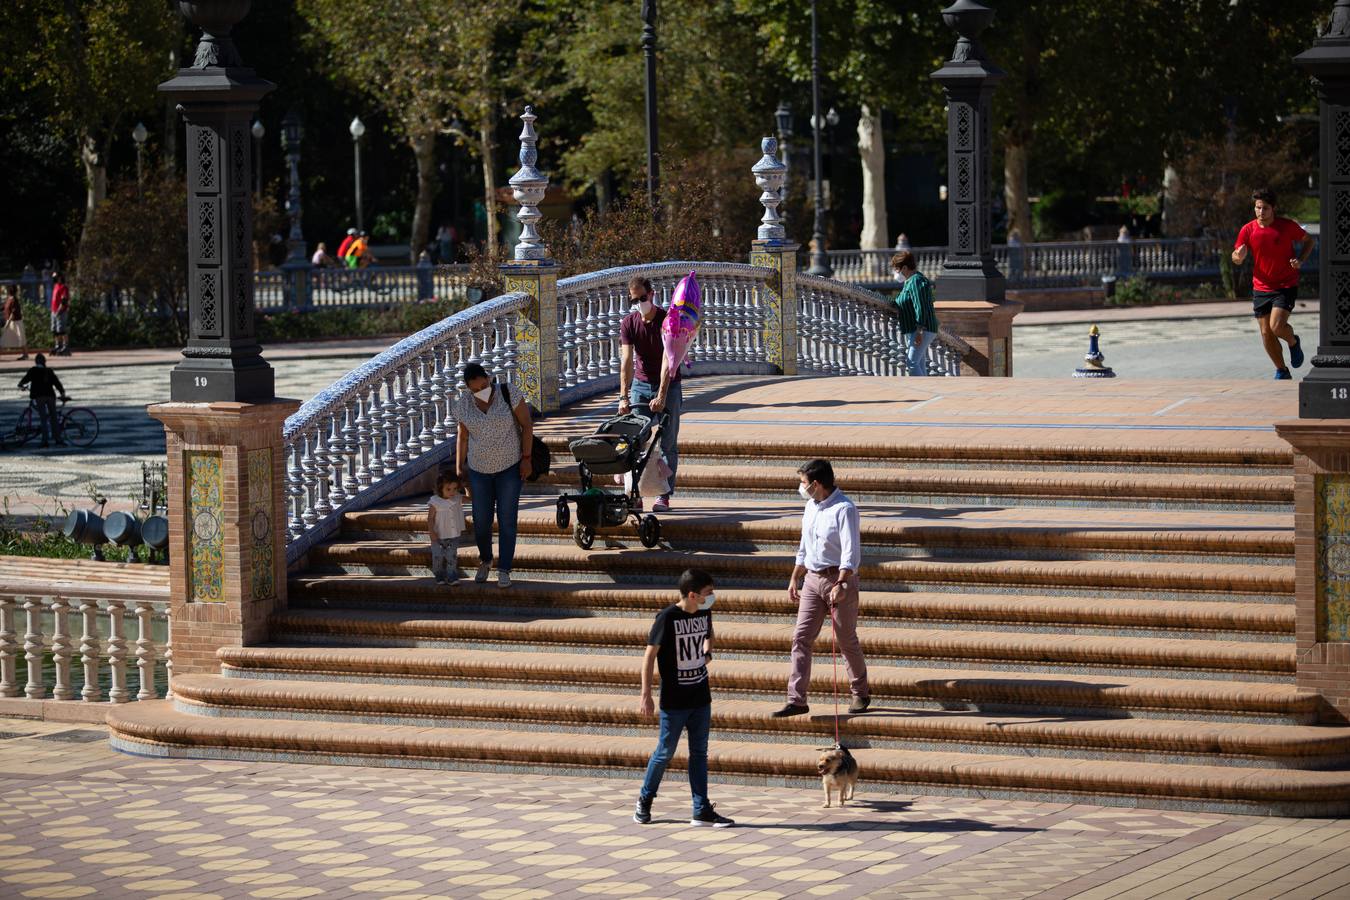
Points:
[649,531]
[584,536]
[564,517]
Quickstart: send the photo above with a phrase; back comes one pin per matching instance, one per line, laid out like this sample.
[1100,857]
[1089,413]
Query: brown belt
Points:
[828,570]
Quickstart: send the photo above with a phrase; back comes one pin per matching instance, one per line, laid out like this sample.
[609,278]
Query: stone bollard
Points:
[1094,359]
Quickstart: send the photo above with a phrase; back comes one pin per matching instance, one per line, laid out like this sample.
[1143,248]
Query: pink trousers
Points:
[812,614]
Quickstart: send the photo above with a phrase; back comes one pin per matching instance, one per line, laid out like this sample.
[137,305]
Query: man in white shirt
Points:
[824,581]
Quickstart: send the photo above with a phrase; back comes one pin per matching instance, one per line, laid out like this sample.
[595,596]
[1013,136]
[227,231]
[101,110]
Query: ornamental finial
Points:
[769,174]
[216,18]
[528,186]
[968,18]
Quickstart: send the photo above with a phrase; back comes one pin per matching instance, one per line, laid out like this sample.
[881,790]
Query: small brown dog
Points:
[838,773]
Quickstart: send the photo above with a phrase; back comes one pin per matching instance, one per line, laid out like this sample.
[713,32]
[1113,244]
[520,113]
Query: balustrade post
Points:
[534,272]
[62,649]
[145,649]
[9,649]
[772,250]
[33,647]
[117,653]
[89,652]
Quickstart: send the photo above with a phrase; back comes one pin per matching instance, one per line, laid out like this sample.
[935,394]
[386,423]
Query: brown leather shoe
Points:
[792,709]
[859,704]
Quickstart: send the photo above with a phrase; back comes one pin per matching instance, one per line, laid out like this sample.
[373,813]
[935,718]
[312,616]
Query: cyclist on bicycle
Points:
[42,385]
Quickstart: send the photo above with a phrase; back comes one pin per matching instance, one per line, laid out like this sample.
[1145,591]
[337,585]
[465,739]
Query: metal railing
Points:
[1058,264]
[327,288]
[847,330]
[102,653]
[365,429]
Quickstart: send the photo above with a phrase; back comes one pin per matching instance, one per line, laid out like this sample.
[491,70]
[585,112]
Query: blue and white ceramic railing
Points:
[846,330]
[359,435]
[94,665]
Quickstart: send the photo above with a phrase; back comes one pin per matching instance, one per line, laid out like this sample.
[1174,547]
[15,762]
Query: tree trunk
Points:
[95,178]
[487,149]
[424,151]
[873,153]
[1015,154]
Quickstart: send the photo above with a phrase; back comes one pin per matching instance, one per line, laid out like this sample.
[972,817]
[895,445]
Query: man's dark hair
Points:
[693,581]
[473,371]
[819,470]
[1265,194]
[40,360]
[637,281]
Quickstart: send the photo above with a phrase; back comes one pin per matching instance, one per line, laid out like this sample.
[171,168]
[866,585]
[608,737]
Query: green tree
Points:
[424,62]
[95,64]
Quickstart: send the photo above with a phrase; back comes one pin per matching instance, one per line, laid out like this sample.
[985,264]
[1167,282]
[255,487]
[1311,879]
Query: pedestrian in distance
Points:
[321,259]
[494,444]
[918,316]
[445,523]
[824,584]
[43,386]
[1272,242]
[12,334]
[346,243]
[680,646]
[60,316]
[644,377]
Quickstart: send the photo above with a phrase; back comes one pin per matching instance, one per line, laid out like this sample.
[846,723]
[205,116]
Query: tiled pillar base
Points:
[537,337]
[780,315]
[987,328]
[1322,558]
[227,525]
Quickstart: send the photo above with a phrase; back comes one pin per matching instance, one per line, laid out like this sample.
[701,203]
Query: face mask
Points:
[901,277]
[806,494]
[708,602]
[485,394]
[645,308]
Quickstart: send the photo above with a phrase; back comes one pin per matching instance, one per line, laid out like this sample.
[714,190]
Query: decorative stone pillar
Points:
[773,250]
[1321,436]
[977,308]
[227,525]
[223,424]
[533,272]
[217,96]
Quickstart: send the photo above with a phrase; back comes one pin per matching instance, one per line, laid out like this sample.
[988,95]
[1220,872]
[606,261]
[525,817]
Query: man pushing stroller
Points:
[656,386]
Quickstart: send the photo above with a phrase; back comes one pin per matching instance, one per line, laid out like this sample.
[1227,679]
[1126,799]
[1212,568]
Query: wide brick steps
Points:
[1270,621]
[1104,489]
[1061,694]
[155,729]
[596,634]
[627,560]
[881,726]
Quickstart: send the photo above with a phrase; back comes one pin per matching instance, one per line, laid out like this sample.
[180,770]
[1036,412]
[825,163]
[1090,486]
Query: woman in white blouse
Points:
[493,446]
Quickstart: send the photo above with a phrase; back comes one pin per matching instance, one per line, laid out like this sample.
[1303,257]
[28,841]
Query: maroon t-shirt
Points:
[648,350]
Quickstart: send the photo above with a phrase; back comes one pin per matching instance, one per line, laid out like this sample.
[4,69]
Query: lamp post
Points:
[257,131]
[292,133]
[820,262]
[783,120]
[139,134]
[358,128]
[653,153]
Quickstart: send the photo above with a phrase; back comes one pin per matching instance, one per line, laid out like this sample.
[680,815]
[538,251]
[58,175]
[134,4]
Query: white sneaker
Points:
[481,575]
[503,579]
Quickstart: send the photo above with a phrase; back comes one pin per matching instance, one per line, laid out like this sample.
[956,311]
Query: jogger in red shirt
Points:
[1270,241]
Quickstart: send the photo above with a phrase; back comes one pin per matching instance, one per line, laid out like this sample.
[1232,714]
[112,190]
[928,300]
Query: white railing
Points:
[846,330]
[364,430]
[80,633]
[591,306]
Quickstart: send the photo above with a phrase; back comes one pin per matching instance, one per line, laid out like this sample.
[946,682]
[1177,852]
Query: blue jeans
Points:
[698,722]
[642,392]
[499,492]
[918,351]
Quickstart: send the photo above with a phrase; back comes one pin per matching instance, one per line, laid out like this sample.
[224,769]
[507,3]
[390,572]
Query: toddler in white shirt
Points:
[445,521]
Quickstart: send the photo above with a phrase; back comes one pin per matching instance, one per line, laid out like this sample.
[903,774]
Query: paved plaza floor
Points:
[81,820]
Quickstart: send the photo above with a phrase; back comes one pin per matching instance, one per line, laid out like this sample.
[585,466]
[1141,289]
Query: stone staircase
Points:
[1107,625]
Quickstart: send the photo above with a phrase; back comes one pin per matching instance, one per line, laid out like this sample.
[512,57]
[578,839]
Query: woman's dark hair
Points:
[819,470]
[693,581]
[474,371]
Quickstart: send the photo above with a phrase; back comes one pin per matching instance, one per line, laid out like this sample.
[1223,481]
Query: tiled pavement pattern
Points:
[83,821]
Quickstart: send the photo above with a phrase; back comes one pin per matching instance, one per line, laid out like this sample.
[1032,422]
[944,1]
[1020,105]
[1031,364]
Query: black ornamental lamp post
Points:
[653,151]
[217,96]
[969,79]
[820,261]
[1324,392]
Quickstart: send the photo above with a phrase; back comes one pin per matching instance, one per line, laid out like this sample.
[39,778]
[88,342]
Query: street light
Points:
[257,131]
[820,262]
[139,134]
[783,119]
[358,128]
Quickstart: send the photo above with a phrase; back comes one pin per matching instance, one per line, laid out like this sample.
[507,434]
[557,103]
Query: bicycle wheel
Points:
[23,432]
[79,426]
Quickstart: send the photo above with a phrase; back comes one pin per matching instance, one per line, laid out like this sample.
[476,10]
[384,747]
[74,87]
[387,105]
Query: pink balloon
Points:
[682,321]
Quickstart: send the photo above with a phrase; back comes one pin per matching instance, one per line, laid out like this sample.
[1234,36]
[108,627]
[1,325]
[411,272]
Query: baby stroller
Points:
[622,445]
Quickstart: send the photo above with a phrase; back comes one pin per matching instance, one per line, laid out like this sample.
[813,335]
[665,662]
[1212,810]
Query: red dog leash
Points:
[834,656]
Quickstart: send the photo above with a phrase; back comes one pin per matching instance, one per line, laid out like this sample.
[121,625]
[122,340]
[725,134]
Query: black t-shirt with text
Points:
[681,660]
